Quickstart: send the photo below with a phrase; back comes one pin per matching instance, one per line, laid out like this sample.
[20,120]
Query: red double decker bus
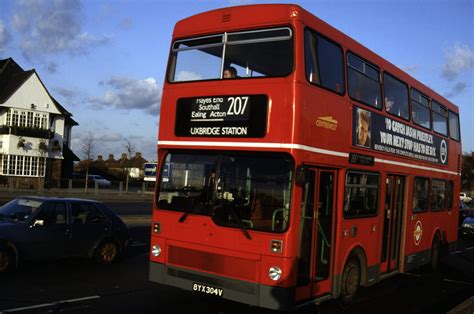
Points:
[295,164]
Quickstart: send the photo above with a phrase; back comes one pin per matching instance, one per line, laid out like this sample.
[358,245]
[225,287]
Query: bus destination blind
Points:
[222,116]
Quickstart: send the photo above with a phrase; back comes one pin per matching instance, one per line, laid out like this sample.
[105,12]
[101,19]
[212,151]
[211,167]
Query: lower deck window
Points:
[361,194]
[420,194]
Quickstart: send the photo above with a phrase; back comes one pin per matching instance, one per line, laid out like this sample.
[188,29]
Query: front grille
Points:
[236,267]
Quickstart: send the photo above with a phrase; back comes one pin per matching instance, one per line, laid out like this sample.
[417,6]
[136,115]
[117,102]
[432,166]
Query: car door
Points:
[49,233]
[88,227]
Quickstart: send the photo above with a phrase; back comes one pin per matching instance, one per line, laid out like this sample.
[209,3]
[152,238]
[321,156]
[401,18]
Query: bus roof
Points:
[255,16]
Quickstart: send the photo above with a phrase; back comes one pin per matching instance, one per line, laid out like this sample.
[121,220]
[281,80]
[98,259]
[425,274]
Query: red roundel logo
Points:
[418,232]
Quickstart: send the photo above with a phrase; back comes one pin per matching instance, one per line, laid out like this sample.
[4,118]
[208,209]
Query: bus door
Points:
[316,237]
[392,226]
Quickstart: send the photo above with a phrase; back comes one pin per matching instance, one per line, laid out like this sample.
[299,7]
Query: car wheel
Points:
[350,280]
[107,252]
[6,259]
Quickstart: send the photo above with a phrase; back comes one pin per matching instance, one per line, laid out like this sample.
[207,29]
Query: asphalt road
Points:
[81,286]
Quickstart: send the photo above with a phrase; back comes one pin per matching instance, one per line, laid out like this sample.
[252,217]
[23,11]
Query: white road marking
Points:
[50,304]
[457,252]
[470,248]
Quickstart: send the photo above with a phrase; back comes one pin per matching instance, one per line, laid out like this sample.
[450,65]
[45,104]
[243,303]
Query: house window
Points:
[25,166]
[22,118]
[27,119]
[14,118]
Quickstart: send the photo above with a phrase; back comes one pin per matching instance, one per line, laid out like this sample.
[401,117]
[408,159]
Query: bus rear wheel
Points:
[350,281]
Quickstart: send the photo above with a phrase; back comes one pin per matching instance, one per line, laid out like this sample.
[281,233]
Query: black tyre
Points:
[107,252]
[350,281]
[435,255]
[6,259]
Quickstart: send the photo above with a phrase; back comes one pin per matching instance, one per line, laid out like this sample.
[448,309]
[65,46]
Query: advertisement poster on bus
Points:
[381,133]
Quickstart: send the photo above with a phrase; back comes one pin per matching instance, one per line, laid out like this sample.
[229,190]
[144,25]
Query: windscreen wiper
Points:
[240,223]
[183,217]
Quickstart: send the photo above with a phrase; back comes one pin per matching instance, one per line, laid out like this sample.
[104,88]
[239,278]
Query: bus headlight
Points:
[156,250]
[274,273]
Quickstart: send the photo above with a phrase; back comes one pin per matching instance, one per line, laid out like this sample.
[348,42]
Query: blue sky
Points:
[105,60]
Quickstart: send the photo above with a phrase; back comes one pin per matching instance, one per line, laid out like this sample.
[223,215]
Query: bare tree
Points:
[130,148]
[88,148]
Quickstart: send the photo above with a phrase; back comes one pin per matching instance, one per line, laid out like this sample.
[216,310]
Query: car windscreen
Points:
[247,54]
[245,190]
[19,209]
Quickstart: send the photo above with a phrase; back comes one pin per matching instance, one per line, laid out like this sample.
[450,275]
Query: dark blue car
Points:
[37,228]
[466,220]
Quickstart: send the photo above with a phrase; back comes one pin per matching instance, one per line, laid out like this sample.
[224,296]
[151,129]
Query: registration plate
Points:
[208,289]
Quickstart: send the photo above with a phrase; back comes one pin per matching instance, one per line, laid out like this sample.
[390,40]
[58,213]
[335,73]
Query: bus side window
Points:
[420,195]
[324,62]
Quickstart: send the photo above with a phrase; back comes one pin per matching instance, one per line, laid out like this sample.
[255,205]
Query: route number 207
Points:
[237,105]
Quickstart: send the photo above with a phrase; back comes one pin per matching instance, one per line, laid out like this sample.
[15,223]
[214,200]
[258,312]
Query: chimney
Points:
[99,158]
[124,156]
[111,156]
[138,155]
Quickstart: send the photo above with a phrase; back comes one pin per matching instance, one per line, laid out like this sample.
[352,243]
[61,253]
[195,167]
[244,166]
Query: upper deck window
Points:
[420,106]
[396,97]
[454,126]
[258,53]
[440,118]
[324,62]
[363,81]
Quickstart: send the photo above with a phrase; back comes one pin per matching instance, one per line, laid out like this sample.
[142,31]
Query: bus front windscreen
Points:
[248,191]
[256,53]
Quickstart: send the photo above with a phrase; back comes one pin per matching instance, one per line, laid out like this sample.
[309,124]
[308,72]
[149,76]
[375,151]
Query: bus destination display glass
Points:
[222,116]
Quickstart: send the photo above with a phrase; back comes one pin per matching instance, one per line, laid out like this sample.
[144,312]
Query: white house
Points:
[35,130]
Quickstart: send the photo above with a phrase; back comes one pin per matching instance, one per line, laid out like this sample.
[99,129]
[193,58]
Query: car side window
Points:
[83,213]
[53,214]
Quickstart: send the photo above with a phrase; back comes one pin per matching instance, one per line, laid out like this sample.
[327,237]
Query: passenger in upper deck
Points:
[230,72]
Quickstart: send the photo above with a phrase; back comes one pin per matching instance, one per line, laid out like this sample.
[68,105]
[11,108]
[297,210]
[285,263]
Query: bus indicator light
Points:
[276,246]
[156,227]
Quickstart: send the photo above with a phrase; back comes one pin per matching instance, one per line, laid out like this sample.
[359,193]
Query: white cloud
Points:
[457,89]
[459,58]
[51,27]
[187,76]
[5,36]
[126,93]
[411,68]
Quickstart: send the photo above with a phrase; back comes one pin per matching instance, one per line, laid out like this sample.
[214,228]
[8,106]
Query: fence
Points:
[75,187]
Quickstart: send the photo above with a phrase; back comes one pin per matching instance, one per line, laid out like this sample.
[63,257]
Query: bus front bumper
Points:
[276,298]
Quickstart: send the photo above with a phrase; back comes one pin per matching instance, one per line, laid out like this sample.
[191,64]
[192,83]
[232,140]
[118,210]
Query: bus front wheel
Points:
[434,255]
[350,280]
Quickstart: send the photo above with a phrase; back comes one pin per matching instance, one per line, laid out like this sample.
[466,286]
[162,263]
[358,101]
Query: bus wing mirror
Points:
[301,175]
